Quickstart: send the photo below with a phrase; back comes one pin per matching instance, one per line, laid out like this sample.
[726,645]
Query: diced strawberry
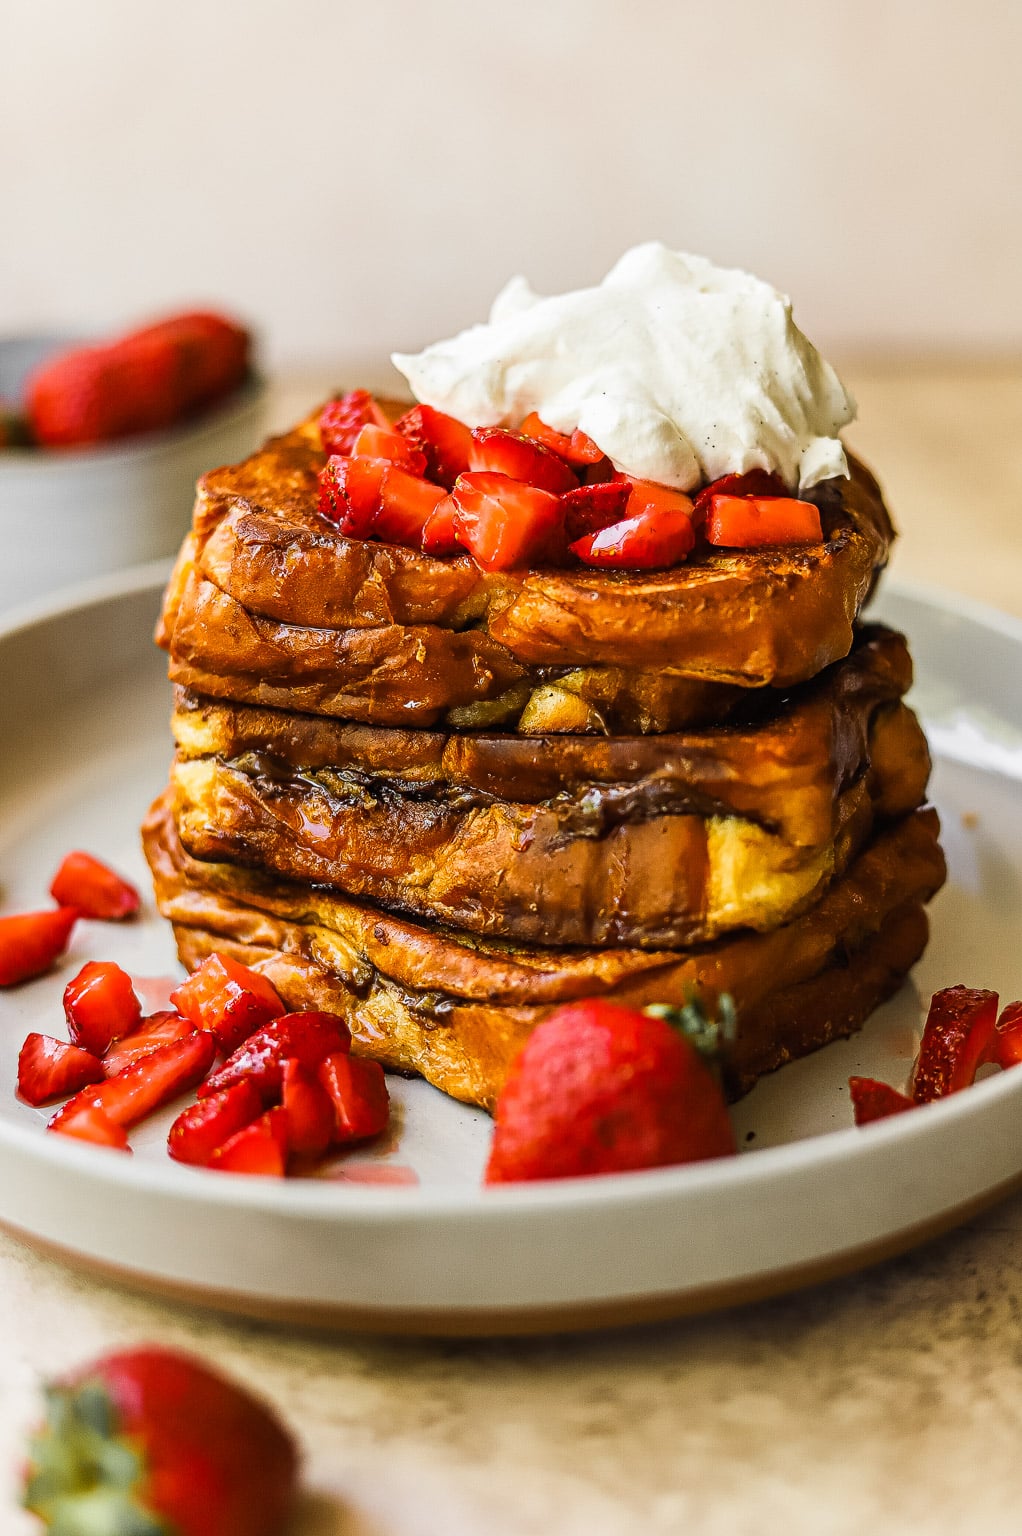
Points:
[309,1110]
[94,888]
[203,1127]
[228,998]
[158,1029]
[100,1006]
[148,1082]
[406,506]
[591,508]
[90,1123]
[444,440]
[49,1069]
[575,447]
[308,1037]
[872,1100]
[31,941]
[657,532]
[438,535]
[349,493]
[341,421]
[755,482]
[1006,1047]
[375,442]
[501,452]
[506,525]
[261,1148]
[358,1091]
[751,522]
[958,1037]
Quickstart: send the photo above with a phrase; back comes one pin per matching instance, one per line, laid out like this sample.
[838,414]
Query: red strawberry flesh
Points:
[100,1006]
[958,1037]
[149,1082]
[445,442]
[94,888]
[358,1092]
[261,1148]
[307,1037]
[341,421]
[873,1100]
[504,524]
[50,1069]
[158,1029]
[205,1126]
[309,1109]
[31,941]
[227,997]
[508,453]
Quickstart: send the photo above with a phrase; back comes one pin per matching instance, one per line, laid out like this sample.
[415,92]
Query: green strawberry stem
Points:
[83,1479]
[711,1036]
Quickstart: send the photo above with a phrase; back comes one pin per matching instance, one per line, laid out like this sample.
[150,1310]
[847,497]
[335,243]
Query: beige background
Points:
[357,176]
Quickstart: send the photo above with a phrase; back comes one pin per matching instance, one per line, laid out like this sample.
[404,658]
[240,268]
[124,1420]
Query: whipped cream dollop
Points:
[681,371]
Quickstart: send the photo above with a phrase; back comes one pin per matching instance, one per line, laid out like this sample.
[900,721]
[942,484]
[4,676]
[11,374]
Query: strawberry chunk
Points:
[49,1069]
[375,442]
[358,1092]
[202,1128]
[89,1123]
[349,493]
[438,534]
[342,420]
[445,442]
[261,1148]
[406,506]
[308,1037]
[506,525]
[94,888]
[755,482]
[100,1006]
[148,1082]
[657,532]
[958,1037]
[591,508]
[158,1029]
[1006,1047]
[872,1100]
[228,998]
[750,522]
[502,452]
[31,941]
[309,1110]
[576,447]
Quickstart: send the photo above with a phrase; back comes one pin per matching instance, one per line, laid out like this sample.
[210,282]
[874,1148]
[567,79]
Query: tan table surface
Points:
[886,1403]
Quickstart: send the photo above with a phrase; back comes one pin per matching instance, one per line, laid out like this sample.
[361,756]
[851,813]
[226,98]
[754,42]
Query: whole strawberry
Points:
[601,1089]
[149,1442]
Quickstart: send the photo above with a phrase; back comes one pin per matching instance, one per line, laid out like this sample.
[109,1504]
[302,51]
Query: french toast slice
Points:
[740,827]
[263,573]
[455,1008]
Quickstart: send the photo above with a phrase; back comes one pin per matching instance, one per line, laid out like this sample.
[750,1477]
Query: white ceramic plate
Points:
[404,1237]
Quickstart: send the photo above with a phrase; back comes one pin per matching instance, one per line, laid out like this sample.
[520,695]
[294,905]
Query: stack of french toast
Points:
[441,795]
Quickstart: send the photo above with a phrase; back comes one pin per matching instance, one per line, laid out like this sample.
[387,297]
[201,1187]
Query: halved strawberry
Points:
[505,524]
[50,1069]
[575,447]
[591,508]
[406,506]
[657,532]
[755,482]
[445,441]
[309,1110]
[158,1029]
[261,1148]
[500,451]
[349,493]
[308,1037]
[31,941]
[375,442]
[341,421]
[228,998]
[1006,1046]
[438,535]
[203,1127]
[89,1123]
[100,1006]
[751,522]
[148,1082]
[358,1092]
[94,888]
[872,1100]
[958,1037]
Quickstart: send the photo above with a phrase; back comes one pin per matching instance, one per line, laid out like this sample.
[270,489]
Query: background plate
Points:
[403,1237]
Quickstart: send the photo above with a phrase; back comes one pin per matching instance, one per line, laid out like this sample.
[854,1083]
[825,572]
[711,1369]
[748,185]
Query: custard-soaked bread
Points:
[264,574]
[740,827]
[456,1008]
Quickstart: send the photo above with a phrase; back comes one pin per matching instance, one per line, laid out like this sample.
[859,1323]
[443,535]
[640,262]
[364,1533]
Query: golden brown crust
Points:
[425,999]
